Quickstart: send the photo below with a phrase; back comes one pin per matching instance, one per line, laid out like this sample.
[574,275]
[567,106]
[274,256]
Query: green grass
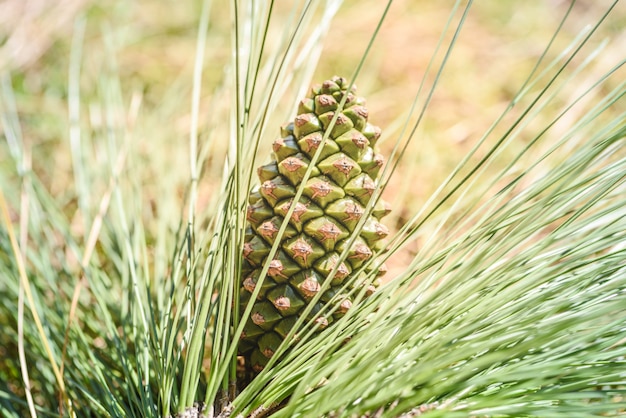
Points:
[130,140]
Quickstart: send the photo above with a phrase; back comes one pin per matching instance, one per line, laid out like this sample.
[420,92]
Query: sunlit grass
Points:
[130,140]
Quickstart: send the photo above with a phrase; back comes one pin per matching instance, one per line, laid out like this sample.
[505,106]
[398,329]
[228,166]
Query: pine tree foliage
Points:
[122,239]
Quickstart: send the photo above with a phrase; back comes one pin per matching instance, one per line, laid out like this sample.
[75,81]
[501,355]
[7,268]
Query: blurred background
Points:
[146,48]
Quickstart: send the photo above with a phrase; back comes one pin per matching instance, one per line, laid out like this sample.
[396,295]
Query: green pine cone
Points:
[333,201]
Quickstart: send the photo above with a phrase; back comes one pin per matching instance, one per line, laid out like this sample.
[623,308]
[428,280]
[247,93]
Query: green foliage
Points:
[123,216]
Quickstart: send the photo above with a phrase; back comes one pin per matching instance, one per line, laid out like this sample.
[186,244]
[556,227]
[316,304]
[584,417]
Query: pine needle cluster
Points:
[123,218]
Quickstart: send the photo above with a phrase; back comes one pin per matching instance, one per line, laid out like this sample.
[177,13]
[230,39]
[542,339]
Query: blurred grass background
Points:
[146,49]
[154,45]
[143,52]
